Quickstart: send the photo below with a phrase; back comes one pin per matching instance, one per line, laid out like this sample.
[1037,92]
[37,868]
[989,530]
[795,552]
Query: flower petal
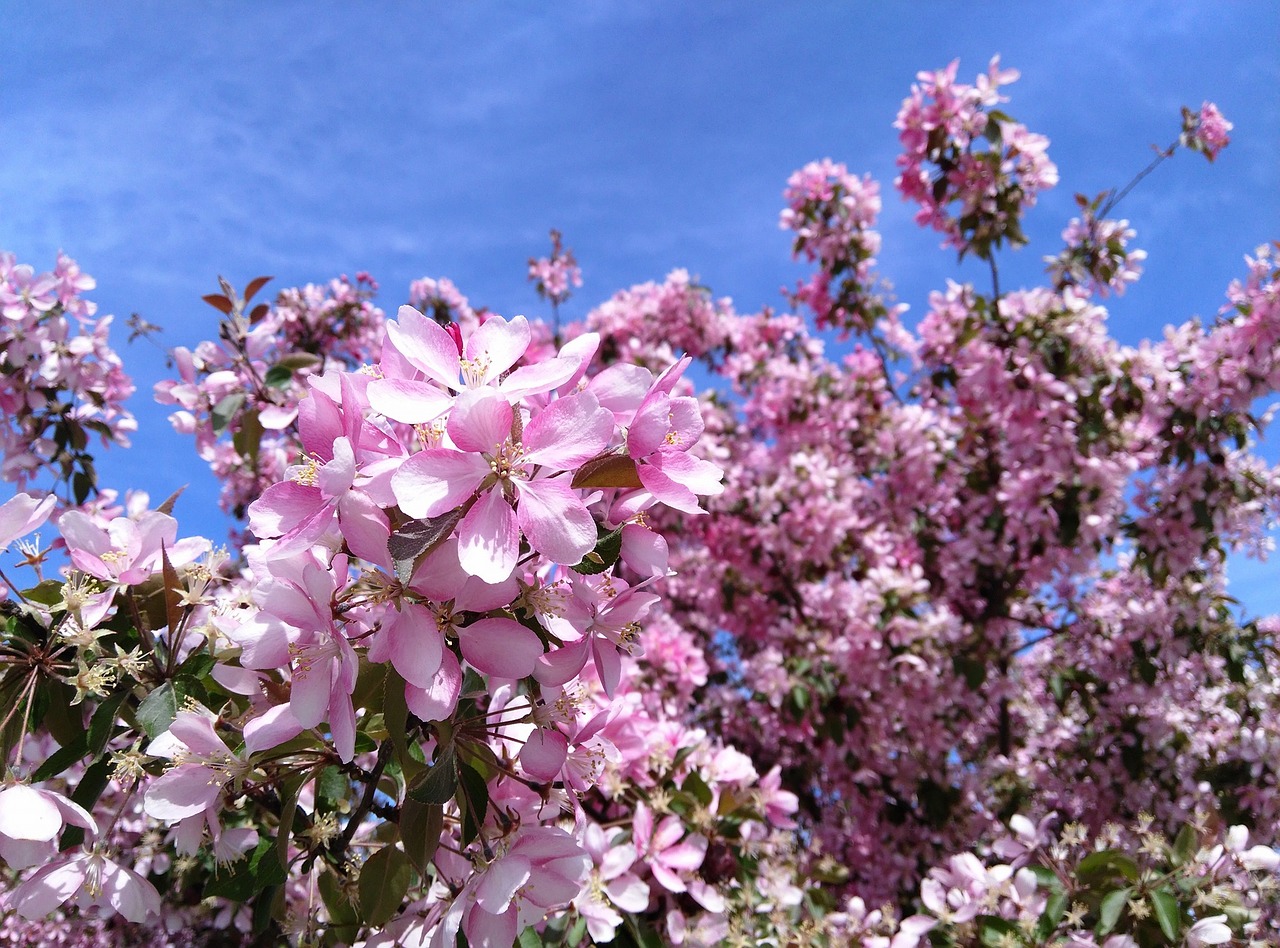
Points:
[500,647]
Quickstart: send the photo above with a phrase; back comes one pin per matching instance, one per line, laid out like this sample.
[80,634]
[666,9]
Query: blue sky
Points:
[163,144]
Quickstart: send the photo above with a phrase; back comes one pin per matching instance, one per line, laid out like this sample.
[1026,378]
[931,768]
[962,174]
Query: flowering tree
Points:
[520,640]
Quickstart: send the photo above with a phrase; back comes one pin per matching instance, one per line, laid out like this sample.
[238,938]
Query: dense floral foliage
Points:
[521,640]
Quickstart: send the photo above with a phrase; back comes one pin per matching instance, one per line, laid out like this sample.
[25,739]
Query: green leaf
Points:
[439,783]
[61,759]
[1109,911]
[992,930]
[1168,914]
[47,593]
[1185,846]
[250,876]
[419,537]
[608,470]
[103,723]
[225,410]
[696,787]
[1106,863]
[331,788]
[82,485]
[278,376]
[421,826]
[248,436]
[264,909]
[529,938]
[158,710]
[1054,908]
[344,922]
[64,720]
[288,813]
[87,791]
[473,797]
[197,665]
[395,714]
[384,880]
[973,671]
[608,549]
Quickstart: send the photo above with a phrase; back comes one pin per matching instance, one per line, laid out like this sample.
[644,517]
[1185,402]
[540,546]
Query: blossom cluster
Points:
[959,151]
[553,276]
[833,214]
[60,381]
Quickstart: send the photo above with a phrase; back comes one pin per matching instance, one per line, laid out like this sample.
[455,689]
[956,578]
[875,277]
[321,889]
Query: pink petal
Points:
[436,481]
[365,528]
[196,732]
[480,420]
[628,893]
[544,753]
[499,883]
[648,430]
[666,490]
[271,729]
[21,514]
[537,379]
[309,696]
[128,893]
[49,887]
[26,813]
[561,664]
[608,663]
[437,701]
[555,521]
[409,401]
[644,550]
[184,791]
[687,855]
[569,432]
[500,647]
[336,477]
[621,388]
[666,878]
[498,343]
[488,931]
[342,724]
[488,538]
[426,345]
[417,647]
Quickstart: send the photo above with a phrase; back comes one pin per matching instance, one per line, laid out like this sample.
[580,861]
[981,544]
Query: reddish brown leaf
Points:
[608,470]
[172,595]
[219,302]
[254,286]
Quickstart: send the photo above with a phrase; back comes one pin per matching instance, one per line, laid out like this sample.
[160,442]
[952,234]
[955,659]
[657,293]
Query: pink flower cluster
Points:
[553,276]
[832,213]
[1205,131]
[1097,258]
[60,381]
[972,169]
[238,395]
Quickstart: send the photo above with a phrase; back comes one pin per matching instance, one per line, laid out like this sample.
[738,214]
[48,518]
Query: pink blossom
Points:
[31,819]
[93,879]
[498,470]
[670,855]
